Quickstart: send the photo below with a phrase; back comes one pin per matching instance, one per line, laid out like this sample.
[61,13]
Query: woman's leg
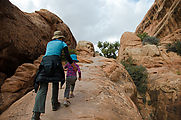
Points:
[41,98]
[55,103]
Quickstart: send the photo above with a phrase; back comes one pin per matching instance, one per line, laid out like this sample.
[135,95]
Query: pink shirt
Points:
[70,71]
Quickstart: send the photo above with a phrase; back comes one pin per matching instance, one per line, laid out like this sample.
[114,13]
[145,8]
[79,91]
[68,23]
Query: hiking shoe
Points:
[66,103]
[36,116]
[56,106]
[72,95]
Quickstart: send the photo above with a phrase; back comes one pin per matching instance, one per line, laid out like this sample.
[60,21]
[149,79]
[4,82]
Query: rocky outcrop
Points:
[23,36]
[126,44]
[2,78]
[164,82]
[19,84]
[104,93]
[85,48]
[163,21]
[165,94]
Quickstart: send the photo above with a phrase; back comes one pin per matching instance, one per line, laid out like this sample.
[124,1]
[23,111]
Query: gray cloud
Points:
[93,20]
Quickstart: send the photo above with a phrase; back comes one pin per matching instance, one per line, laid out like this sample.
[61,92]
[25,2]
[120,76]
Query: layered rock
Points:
[19,84]
[164,82]
[2,78]
[85,48]
[24,35]
[104,93]
[163,21]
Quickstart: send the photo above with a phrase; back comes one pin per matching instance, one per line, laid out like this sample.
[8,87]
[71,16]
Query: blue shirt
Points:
[55,47]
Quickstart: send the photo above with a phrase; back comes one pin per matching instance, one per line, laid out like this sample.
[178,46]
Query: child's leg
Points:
[72,90]
[66,93]
[67,89]
[72,86]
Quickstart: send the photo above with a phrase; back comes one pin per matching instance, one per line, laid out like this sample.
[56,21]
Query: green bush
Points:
[145,38]
[174,47]
[138,73]
[143,35]
[109,50]
[151,40]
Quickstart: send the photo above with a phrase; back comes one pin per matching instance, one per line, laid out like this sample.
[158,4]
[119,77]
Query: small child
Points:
[71,78]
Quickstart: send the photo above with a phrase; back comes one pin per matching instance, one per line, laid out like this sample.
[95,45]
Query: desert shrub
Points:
[145,38]
[109,50]
[143,35]
[174,47]
[151,40]
[138,73]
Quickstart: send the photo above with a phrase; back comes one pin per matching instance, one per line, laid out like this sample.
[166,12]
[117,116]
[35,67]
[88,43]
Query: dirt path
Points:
[96,98]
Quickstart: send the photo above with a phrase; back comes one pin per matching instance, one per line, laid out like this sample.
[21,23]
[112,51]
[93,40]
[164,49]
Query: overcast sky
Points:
[93,20]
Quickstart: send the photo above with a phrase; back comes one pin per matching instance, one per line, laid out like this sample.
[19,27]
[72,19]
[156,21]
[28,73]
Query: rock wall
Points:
[164,81]
[19,84]
[163,21]
[23,36]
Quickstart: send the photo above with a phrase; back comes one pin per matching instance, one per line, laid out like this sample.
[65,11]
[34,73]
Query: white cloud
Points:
[93,20]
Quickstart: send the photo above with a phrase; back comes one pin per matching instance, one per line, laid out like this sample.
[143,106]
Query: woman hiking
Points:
[50,70]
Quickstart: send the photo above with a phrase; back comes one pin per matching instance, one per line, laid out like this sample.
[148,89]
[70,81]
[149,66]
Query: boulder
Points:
[19,84]
[85,48]
[126,44]
[24,35]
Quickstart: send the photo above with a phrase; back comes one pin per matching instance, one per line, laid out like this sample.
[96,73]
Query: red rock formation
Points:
[24,35]
[85,48]
[163,21]
[19,84]
[164,82]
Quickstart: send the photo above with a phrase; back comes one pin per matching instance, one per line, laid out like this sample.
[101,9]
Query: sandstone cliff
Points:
[163,21]
[164,81]
[24,35]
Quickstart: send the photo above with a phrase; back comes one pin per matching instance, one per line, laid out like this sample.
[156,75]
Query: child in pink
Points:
[71,78]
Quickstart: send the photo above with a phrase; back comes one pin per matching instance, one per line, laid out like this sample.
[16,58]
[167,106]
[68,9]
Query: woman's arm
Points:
[68,58]
[67,55]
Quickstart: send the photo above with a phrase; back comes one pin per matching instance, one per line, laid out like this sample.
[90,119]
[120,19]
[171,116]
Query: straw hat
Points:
[58,34]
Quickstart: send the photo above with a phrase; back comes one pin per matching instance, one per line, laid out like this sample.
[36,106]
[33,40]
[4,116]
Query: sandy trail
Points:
[96,98]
